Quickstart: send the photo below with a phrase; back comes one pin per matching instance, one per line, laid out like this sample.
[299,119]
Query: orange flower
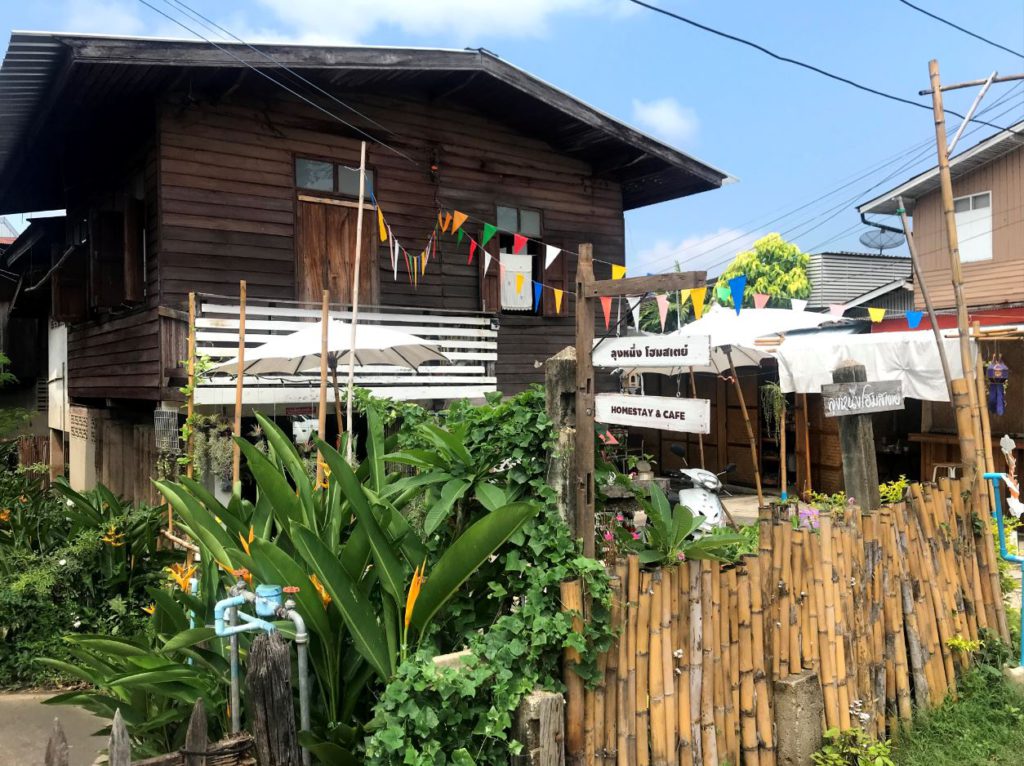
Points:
[5,514]
[245,574]
[150,610]
[113,538]
[180,574]
[414,592]
[325,597]
[247,543]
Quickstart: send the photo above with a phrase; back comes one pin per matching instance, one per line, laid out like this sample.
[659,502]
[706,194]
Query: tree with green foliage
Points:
[775,267]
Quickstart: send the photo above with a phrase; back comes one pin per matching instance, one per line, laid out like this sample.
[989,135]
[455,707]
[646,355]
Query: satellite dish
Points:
[880,239]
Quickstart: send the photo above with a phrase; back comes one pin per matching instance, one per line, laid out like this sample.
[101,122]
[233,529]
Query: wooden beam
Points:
[749,427]
[585,400]
[656,283]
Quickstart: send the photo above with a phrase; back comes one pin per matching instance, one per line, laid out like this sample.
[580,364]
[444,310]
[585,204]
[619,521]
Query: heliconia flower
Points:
[113,538]
[325,597]
[608,537]
[150,610]
[414,592]
[180,574]
[5,514]
[247,543]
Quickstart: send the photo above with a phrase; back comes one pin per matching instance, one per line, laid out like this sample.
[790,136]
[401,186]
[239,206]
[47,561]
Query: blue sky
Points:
[788,135]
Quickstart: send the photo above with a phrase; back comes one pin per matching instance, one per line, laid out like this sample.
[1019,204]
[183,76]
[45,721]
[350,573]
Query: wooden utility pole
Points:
[236,453]
[857,440]
[355,300]
[190,409]
[321,419]
[971,461]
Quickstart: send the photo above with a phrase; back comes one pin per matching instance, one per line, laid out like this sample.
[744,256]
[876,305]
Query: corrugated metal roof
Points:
[30,64]
[977,156]
[842,277]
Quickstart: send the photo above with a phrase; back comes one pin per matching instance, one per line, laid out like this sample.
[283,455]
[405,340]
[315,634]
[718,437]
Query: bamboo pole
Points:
[799,625]
[784,536]
[659,745]
[747,424]
[748,718]
[190,405]
[720,644]
[681,645]
[826,636]
[732,699]
[986,422]
[807,447]
[896,641]
[643,695]
[835,649]
[632,648]
[783,470]
[593,715]
[669,585]
[696,660]
[355,295]
[609,723]
[236,452]
[572,602]
[622,683]
[709,744]
[700,436]
[321,417]
[762,689]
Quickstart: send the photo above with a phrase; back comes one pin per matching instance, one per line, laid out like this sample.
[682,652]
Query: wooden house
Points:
[185,168]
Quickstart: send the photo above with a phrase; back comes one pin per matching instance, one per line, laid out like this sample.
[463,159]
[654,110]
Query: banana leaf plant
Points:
[349,549]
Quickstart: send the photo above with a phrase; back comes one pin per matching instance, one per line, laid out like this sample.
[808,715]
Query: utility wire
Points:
[949,23]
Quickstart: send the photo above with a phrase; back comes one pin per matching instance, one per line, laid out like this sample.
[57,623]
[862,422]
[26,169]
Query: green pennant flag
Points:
[723,293]
[459,240]
[489,231]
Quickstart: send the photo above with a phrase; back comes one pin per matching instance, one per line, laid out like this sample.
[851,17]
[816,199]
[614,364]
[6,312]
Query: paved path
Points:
[25,724]
[744,507]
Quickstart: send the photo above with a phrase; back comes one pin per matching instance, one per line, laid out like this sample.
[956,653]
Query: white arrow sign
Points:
[653,351]
[665,413]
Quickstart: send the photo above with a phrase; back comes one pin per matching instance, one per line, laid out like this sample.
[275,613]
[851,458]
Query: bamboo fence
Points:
[869,602]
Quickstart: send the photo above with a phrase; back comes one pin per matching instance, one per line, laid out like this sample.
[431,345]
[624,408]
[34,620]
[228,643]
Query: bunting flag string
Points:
[487,262]
[618,272]
[634,309]
[836,309]
[457,220]
[662,301]
[518,243]
[550,253]
[914,319]
[737,285]
[472,249]
[698,295]
[538,289]
[761,300]
[606,307]
[558,300]
[798,304]
[489,231]
[722,292]
[381,226]
[876,314]
[519,283]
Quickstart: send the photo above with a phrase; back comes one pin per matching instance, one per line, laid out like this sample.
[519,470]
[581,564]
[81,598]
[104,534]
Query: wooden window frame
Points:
[991,244]
[332,197]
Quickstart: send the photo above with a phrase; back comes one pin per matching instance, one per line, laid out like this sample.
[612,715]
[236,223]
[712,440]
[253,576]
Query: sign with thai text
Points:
[861,398]
[665,413]
[653,351]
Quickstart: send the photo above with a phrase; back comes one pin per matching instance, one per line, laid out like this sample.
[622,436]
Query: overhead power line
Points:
[949,23]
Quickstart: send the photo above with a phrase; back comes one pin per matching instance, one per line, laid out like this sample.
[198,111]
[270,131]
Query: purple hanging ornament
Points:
[997,374]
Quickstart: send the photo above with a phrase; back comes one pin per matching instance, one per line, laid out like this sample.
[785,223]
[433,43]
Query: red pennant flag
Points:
[606,306]
[518,242]
[761,300]
[472,249]
[662,309]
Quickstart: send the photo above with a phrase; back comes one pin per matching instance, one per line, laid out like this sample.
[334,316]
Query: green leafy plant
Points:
[966,645]
[853,747]
[773,407]
[893,491]
[774,267]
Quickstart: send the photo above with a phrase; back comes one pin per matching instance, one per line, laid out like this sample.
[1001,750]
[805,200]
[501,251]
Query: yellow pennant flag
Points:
[618,272]
[558,300]
[876,314]
[423,260]
[458,218]
[380,224]
[697,295]
[415,271]
[519,283]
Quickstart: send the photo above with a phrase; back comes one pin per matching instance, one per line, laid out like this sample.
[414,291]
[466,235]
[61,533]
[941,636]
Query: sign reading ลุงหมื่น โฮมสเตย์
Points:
[665,413]
[653,351]
[861,398]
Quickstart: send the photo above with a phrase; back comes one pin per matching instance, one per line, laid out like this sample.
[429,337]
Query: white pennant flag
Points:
[634,309]
[394,252]
[550,253]
[798,304]
[487,262]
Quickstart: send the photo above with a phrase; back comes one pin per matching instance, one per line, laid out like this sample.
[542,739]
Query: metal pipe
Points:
[301,641]
[1004,554]
[236,693]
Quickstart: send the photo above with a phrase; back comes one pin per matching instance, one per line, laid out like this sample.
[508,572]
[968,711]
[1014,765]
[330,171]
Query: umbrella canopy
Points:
[741,332]
[300,351]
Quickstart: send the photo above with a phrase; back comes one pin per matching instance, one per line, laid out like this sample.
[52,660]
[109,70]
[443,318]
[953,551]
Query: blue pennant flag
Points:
[914,319]
[736,286]
[537,287]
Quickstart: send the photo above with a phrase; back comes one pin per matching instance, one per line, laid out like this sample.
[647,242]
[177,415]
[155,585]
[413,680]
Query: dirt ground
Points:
[26,723]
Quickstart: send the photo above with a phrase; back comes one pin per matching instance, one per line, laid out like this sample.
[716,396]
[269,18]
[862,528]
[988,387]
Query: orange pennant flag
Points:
[447,220]
[618,272]
[440,220]
[519,283]
[381,226]
[458,219]
[558,300]
[423,258]
[698,295]
[606,306]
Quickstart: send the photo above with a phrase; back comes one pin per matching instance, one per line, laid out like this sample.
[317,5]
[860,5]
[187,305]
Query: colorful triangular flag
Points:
[447,221]
[914,319]
[487,262]
[876,314]
[736,286]
[489,231]
[761,300]
[798,304]
[606,307]
[558,300]
[381,226]
[519,282]
[537,289]
[393,248]
[634,309]
[662,309]
[722,293]
[459,240]
[518,243]
[698,295]
[550,253]
[836,309]
[472,249]
[618,272]
[458,218]
[501,270]
[424,260]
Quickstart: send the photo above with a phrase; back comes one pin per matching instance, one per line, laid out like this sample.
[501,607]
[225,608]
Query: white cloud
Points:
[666,118]
[712,251]
[461,20]
[112,18]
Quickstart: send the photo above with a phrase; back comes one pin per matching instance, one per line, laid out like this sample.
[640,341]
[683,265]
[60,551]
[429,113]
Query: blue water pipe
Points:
[1004,554]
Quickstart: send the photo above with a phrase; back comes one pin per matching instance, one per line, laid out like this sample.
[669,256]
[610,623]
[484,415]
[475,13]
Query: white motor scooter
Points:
[701,491]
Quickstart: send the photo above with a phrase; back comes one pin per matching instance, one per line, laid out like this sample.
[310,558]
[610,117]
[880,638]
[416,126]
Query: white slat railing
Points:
[469,340]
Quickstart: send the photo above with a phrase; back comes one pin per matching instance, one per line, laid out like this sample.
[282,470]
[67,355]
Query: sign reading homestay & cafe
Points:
[861,398]
[653,351]
[665,413]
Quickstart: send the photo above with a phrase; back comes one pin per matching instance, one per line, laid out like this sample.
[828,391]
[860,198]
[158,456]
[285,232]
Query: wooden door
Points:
[325,246]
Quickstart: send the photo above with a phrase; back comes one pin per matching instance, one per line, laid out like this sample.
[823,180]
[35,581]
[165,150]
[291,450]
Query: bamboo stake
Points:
[622,684]
[800,620]
[697,629]
[321,418]
[916,654]
[572,602]
[709,745]
[593,714]
[609,722]
[355,295]
[190,405]
[748,720]
[732,698]
[834,649]
[720,627]
[236,453]
[632,648]
[669,586]
[826,635]
[643,644]
[778,562]
[896,640]
[749,427]
[681,641]
[784,655]
[659,747]
[807,447]
[762,690]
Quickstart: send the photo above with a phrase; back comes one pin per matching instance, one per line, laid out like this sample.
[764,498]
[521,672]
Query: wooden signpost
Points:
[664,413]
[653,351]
[588,293]
[861,398]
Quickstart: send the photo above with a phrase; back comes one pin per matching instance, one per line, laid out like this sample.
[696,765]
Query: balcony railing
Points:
[469,340]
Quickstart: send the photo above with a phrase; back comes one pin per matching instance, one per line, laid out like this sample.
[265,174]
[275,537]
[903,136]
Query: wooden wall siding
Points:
[117,358]
[126,459]
[226,175]
[1000,280]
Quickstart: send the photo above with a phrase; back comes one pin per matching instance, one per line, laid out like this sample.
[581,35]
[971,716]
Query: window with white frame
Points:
[974,226]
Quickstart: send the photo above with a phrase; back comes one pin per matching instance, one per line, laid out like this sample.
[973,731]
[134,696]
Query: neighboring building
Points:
[860,281]
[184,170]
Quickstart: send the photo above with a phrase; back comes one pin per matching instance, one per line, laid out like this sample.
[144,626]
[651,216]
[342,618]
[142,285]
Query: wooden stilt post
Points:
[355,296]
[783,471]
[585,400]
[190,406]
[321,420]
[747,423]
[857,441]
[236,453]
[572,602]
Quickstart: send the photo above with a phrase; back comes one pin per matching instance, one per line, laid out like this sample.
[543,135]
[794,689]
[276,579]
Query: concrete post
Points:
[799,710]
[560,393]
[539,725]
[857,440]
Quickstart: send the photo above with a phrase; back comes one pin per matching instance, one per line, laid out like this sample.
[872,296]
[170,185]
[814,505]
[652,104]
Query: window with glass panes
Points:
[332,178]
